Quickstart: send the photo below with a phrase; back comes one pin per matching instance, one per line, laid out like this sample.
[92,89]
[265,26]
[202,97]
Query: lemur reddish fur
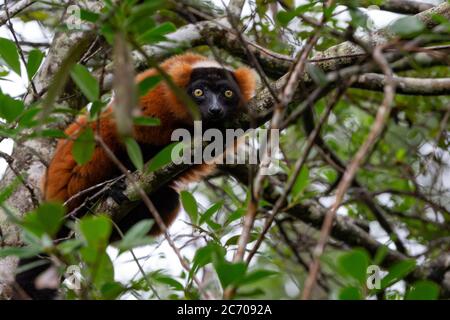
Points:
[65,178]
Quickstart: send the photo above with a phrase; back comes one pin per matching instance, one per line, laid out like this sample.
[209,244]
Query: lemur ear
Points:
[247,82]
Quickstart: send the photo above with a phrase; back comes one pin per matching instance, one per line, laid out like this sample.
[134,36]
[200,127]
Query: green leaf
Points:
[148,84]
[112,290]
[230,273]
[9,189]
[143,11]
[423,290]
[162,158]
[21,252]
[317,74]
[301,182]
[284,17]
[53,133]
[190,205]
[350,293]
[257,275]
[86,82]
[69,246]
[95,230]
[174,284]
[381,253]
[205,255]
[95,109]
[397,272]
[157,33]
[10,108]
[84,146]
[46,219]
[206,216]
[234,239]
[359,18]
[134,152]
[99,266]
[9,53]
[146,121]
[27,118]
[137,236]
[407,26]
[354,263]
[239,213]
[34,61]
[89,16]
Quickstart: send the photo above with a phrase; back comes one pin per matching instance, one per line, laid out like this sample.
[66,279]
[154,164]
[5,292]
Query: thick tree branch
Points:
[399,6]
[405,85]
[14,10]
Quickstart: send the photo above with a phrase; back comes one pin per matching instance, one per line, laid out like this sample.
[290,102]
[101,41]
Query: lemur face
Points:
[216,93]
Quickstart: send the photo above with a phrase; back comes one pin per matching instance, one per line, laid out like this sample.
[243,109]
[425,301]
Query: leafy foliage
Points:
[403,178]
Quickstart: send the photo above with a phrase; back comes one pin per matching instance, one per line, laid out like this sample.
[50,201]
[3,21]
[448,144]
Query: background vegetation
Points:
[363,181]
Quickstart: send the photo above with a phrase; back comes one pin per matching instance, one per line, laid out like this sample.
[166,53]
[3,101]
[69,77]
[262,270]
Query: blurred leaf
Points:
[157,34]
[301,182]
[317,74]
[174,284]
[423,290]
[137,236]
[257,275]
[95,230]
[20,252]
[9,189]
[34,61]
[350,293]
[148,84]
[205,255]
[52,133]
[86,82]
[234,239]
[359,18]
[284,17]
[10,108]
[69,246]
[134,152]
[407,26]
[89,16]
[46,219]
[190,205]
[99,266]
[84,146]
[397,272]
[146,121]
[143,11]
[9,53]
[354,263]
[230,273]
[239,213]
[95,109]
[112,290]
[206,216]
[162,158]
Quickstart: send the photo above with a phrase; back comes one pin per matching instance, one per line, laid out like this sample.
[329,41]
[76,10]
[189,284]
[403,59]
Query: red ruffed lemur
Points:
[219,92]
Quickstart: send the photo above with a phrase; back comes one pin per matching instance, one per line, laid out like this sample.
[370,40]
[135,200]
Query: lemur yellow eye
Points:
[228,93]
[198,92]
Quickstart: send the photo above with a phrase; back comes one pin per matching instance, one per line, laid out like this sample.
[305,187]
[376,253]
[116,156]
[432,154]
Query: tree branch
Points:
[14,10]
[405,85]
[399,6]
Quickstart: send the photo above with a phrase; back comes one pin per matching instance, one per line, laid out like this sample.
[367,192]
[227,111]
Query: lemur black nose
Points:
[215,111]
